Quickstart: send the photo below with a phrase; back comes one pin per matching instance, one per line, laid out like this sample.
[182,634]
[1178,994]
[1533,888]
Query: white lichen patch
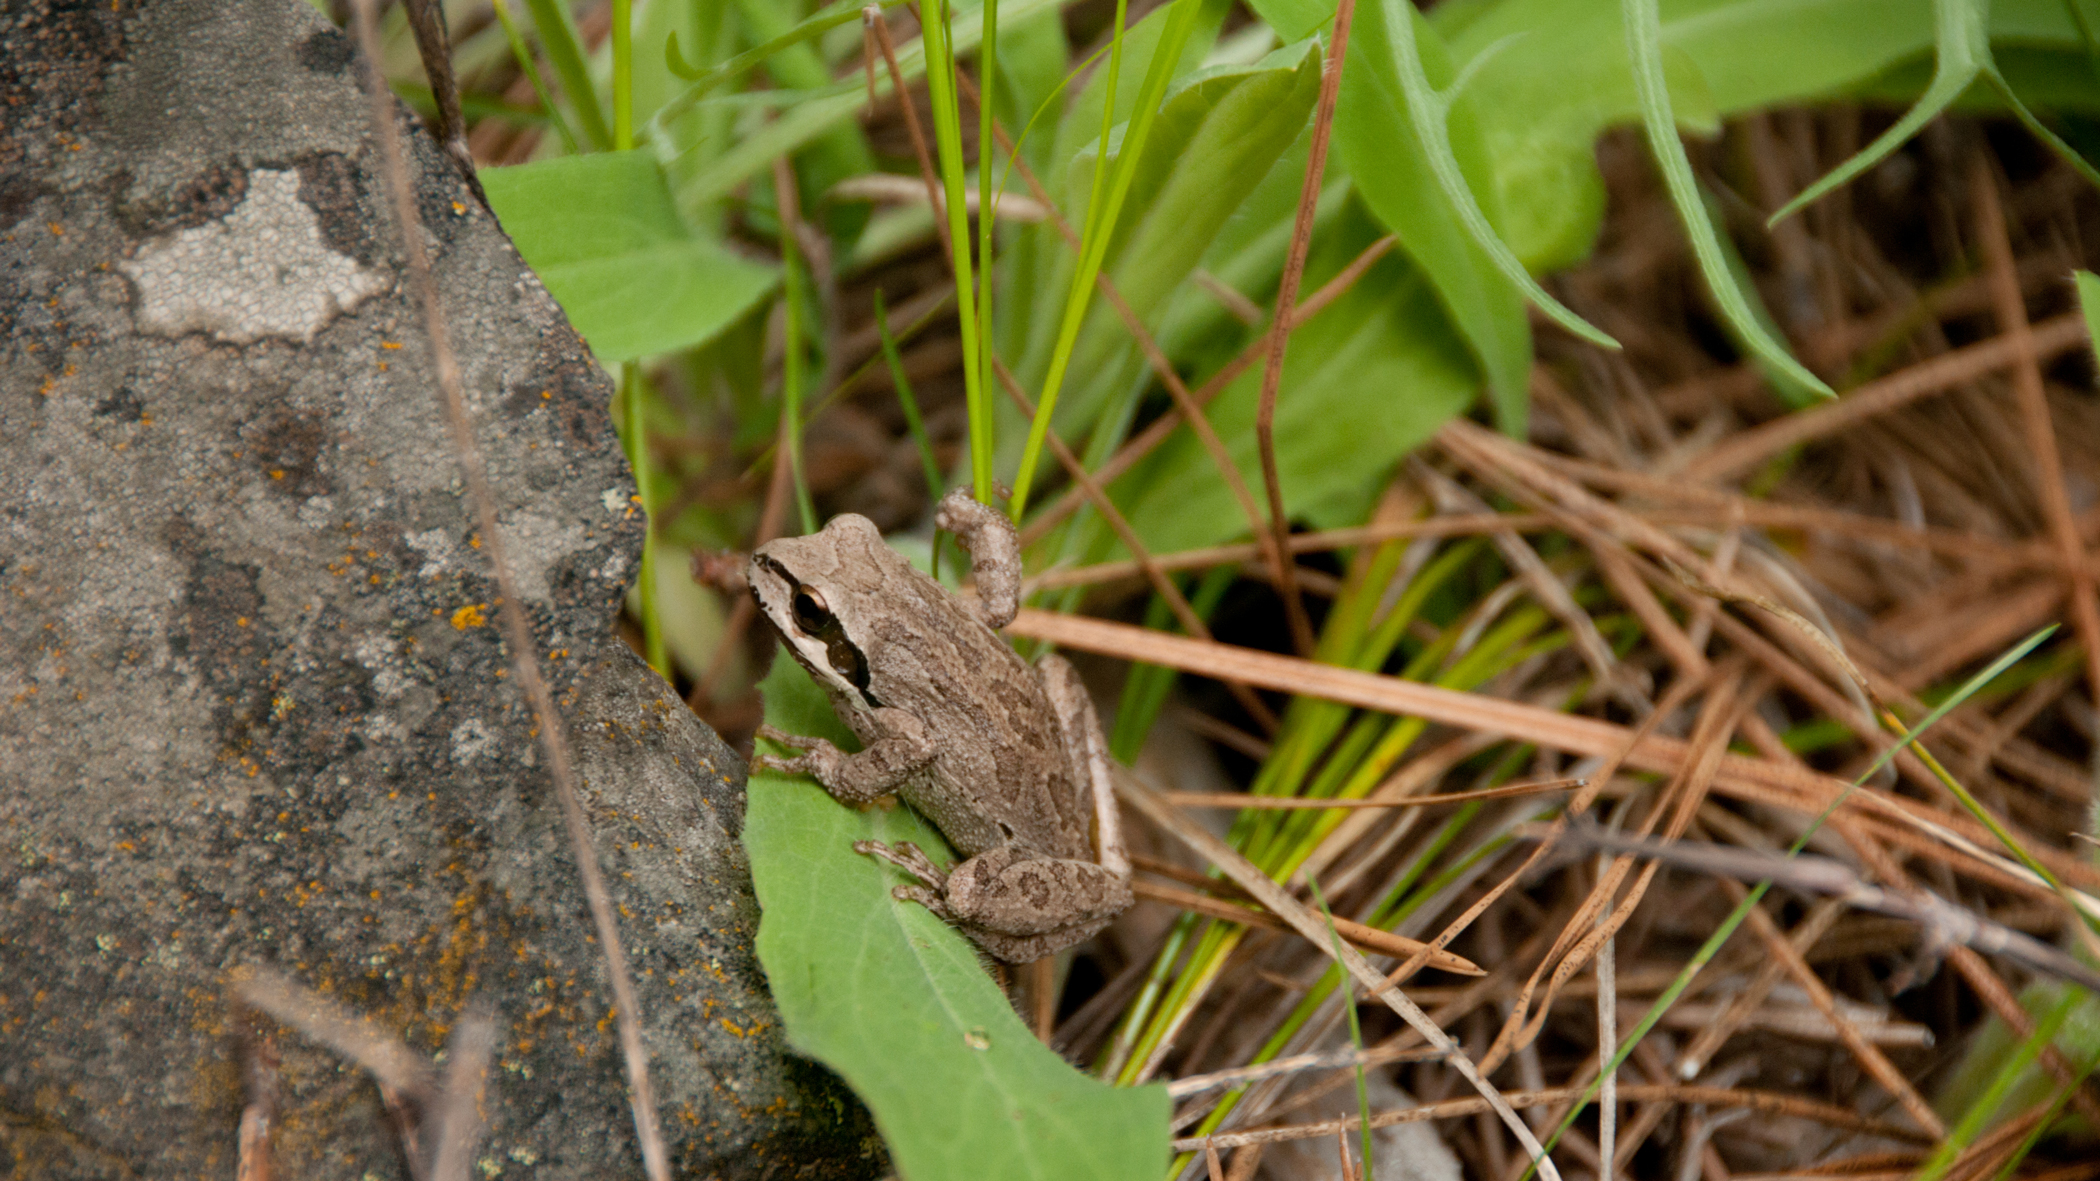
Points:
[263,270]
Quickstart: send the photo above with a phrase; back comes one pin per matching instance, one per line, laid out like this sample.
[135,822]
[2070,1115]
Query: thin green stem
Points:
[791,334]
[1356,1033]
[987,79]
[634,415]
[947,134]
[906,400]
[623,74]
[531,70]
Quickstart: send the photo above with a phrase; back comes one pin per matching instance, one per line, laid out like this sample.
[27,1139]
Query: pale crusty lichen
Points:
[263,270]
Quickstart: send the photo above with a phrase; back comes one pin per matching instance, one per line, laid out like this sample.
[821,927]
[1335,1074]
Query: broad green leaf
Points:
[1364,383]
[601,232]
[1540,91]
[1215,140]
[1392,166]
[898,1004]
[1294,20]
[1644,48]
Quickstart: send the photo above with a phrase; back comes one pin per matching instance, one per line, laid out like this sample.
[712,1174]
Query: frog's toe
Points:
[791,741]
[926,898]
[907,857]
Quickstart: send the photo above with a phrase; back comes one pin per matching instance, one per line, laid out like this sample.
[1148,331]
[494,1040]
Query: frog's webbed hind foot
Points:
[932,891]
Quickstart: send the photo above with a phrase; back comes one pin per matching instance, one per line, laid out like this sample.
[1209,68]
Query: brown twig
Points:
[517,629]
[1280,323]
[1764,1101]
[434,46]
[2033,403]
[1152,436]
[1366,938]
[2051,338]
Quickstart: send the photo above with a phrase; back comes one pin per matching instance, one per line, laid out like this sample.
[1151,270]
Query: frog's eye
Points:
[811,613]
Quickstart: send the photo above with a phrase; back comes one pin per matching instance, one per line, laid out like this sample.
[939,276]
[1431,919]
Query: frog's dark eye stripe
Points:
[847,660]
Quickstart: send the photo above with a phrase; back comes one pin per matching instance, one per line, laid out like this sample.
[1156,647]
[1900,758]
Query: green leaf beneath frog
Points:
[901,1006]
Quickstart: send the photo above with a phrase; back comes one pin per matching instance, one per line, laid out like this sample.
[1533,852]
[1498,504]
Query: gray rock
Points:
[254,707]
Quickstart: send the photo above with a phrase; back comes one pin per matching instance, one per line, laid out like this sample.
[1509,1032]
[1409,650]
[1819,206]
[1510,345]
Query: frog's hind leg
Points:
[1020,894]
[1090,772]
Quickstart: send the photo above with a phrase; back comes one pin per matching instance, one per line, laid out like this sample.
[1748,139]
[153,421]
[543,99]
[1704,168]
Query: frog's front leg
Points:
[900,751]
[995,554]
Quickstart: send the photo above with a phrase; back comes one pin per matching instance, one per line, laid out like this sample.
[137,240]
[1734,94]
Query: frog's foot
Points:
[931,892]
[819,758]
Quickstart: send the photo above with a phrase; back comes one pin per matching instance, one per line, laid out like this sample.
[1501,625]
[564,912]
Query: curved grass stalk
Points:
[1963,47]
[1644,47]
[1428,109]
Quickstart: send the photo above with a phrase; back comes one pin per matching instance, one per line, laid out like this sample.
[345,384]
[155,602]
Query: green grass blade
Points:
[1714,942]
[1356,1033]
[1427,110]
[982,441]
[791,360]
[1979,1114]
[1963,40]
[1101,225]
[1644,47]
[623,74]
[947,134]
[907,401]
[565,51]
[2064,1091]
[634,411]
[531,69]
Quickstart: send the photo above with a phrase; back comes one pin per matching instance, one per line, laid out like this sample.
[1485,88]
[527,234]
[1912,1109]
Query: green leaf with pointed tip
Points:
[1393,167]
[1644,47]
[1963,37]
[897,1003]
[1393,35]
[603,236]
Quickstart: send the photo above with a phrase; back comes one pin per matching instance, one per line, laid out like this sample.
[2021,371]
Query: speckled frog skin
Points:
[1004,757]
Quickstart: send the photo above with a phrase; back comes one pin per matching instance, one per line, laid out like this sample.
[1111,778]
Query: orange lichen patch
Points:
[472,615]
